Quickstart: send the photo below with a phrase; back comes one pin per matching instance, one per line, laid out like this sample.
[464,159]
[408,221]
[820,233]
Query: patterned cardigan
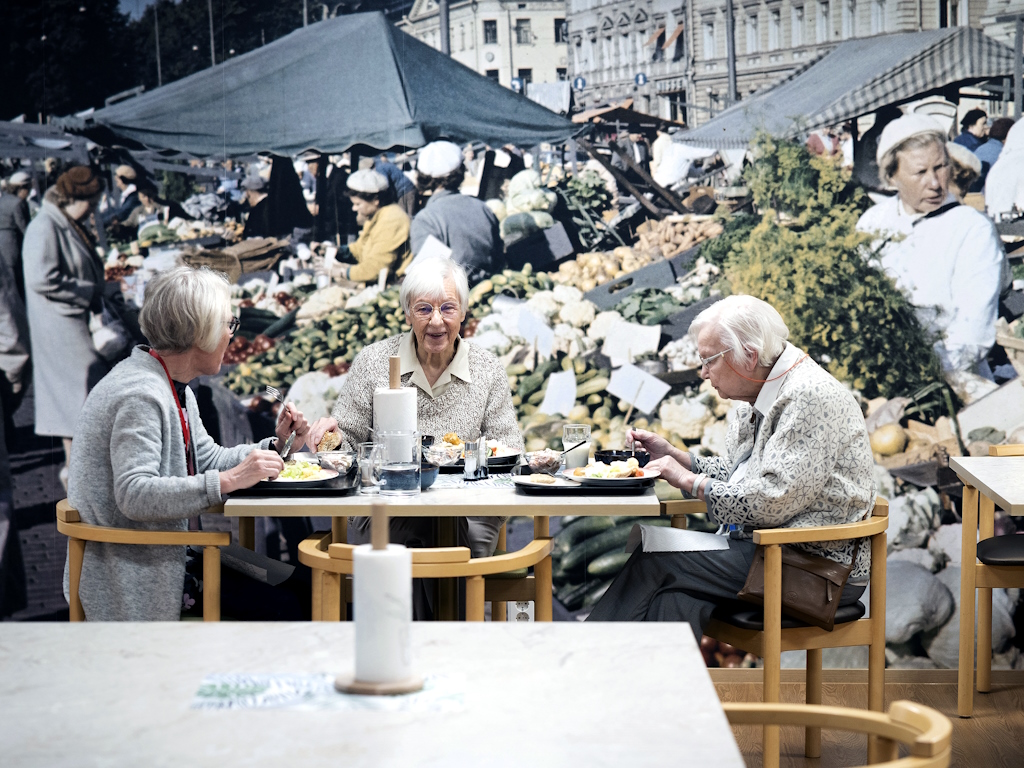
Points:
[810,465]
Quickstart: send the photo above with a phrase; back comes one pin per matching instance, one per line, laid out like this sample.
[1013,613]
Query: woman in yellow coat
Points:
[384,240]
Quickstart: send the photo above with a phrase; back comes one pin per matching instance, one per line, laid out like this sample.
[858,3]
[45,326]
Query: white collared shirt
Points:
[458,367]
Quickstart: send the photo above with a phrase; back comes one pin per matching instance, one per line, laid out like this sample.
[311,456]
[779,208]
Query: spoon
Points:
[581,442]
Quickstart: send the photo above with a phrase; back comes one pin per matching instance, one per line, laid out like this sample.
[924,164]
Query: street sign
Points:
[640,79]
[517,84]
[579,83]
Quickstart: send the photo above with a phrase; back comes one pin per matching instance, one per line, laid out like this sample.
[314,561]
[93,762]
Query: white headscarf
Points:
[1004,186]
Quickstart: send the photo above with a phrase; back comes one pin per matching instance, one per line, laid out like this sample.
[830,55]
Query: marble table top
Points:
[1001,478]
[624,694]
[446,502]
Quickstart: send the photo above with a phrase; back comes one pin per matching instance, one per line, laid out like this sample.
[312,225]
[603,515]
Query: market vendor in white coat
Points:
[946,256]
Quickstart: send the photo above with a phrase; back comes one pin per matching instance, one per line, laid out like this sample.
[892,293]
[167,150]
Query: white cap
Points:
[255,183]
[367,181]
[439,158]
[903,128]
[18,179]
[964,156]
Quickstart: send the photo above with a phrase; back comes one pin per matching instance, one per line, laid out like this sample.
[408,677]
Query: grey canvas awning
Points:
[351,80]
[855,78]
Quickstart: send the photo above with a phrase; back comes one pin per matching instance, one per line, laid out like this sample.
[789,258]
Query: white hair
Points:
[185,307]
[747,325]
[425,280]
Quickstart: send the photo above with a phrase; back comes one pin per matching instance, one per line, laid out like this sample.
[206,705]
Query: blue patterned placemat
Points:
[313,692]
[457,481]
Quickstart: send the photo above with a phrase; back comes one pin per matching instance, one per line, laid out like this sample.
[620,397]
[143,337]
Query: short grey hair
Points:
[747,325]
[890,161]
[425,279]
[185,307]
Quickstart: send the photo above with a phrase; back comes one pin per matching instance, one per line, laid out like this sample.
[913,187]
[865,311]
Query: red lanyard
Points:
[181,413]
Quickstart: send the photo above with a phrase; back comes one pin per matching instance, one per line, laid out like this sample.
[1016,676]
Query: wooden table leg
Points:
[339,530]
[542,573]
[330,596]
[247,532]
[986,530]
[969,553]
[772,645]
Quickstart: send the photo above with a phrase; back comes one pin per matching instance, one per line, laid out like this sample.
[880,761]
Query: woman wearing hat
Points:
[384,239]
[946,256]
[13,222]
[465,224]
[64,283]
[124,179]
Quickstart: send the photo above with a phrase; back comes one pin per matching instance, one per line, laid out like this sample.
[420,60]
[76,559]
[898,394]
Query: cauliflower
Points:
[544,303]
[542,219]
[495,341]
[519,224]
[577,313]
[602,325]
[565,338]
[714,436]
[566,293]
[686,418]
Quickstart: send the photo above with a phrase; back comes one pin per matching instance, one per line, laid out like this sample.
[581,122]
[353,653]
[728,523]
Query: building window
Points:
[462,37]
[798,25]
[492,74]
[878,17]
[523,34]
[490,32]
[774,29]
[526,75]
[561,74]
[823,35]
[710,51]
[561,31]
[849,19]
[753,33]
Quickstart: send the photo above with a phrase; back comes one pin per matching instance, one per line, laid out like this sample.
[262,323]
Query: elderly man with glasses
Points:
[797,455]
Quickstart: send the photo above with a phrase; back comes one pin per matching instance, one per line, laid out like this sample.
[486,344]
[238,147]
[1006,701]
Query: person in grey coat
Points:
[13,223]
[463,223]
[64,281]
[142,457]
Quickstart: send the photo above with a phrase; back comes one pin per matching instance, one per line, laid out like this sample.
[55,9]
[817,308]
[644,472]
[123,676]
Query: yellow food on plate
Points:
[542,479]
[617,470]
[298,469]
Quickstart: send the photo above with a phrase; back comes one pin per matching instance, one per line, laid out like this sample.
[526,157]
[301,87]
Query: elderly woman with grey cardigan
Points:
[797,455]
[142,459]
[461,387]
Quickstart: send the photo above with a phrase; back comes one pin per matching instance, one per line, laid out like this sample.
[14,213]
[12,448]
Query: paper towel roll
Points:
[394,410]
[382,604]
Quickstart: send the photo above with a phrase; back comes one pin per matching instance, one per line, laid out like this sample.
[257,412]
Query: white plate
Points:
[560,482]
[323,477]
[649,474]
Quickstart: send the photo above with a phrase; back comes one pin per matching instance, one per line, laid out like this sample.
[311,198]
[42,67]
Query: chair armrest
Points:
[86,532]
[1006,450]
[683,507]
[858,530]
[419,555]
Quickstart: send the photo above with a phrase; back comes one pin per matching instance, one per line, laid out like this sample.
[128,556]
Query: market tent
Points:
[623,113]
[29,141]
[341,82]
[855,78]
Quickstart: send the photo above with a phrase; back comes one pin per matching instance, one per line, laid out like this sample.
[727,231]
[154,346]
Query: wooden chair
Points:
[767,633]
[331,563]
[70,524]
[924,731]
[1001,565]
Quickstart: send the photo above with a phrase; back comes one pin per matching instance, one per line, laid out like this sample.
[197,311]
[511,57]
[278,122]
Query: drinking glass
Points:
[369,457]
[571,435]
[400,463]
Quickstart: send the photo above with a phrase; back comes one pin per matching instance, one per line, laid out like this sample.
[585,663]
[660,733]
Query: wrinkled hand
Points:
[672,471]
[653,443]
[291,418]
[258,465]
[319,429]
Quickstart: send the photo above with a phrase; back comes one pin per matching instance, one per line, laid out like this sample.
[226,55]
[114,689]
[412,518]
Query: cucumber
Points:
[282,325]
[581,528]
[571,595]
[596,592]
[608,564]
[596,546]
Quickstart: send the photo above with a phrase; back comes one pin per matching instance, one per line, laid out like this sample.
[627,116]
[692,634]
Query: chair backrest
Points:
[1006,450]
[926,732]
[419,556]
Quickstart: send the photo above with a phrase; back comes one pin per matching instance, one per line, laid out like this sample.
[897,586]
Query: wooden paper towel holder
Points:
[347,683]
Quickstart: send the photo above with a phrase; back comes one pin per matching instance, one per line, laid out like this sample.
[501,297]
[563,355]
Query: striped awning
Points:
[855,78]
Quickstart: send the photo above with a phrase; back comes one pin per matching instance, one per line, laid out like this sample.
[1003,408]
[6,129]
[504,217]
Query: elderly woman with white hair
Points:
[142,458]
[797,455]
[946,256]
[461,387]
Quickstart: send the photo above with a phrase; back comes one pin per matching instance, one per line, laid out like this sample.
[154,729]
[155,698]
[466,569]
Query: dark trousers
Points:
[683,586]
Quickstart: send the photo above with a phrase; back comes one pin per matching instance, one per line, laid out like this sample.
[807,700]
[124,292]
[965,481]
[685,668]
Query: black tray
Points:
[578,490]
[498,465]
[342,485]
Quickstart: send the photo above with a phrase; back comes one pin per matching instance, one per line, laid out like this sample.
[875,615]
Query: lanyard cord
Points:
[181,413]
[765,381]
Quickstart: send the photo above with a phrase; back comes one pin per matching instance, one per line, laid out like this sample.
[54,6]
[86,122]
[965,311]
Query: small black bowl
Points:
[609,456]
[428,474]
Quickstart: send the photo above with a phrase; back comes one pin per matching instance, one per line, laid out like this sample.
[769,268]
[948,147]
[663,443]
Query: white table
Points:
[988,481]
[535,694]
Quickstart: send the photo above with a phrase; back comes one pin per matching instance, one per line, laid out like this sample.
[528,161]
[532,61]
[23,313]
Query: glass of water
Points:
[400,463]
[369,458]
[572,435]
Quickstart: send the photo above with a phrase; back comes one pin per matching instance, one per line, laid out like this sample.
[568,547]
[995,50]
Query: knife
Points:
[286,449]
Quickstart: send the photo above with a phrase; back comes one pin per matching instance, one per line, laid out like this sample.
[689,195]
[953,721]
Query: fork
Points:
[275,393]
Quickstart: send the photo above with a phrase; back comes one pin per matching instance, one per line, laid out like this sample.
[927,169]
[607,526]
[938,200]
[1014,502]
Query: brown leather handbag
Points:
[811,585]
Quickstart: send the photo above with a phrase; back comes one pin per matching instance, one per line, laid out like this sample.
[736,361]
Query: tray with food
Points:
[306,474]
[616,474]
[533,483]
[447,453]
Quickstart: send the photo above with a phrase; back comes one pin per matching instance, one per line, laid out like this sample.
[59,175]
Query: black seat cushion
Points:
[1002,550]
[747,616]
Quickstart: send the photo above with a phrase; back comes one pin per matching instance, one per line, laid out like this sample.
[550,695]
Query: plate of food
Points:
[450,450]
[302,473]
[617,473]
[544,481]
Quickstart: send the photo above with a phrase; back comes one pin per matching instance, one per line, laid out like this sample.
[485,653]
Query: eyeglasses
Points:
[449,310]
[233,324]
[706,361]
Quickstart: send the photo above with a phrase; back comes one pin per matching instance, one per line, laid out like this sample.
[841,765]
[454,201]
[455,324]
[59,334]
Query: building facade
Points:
[671,58]
[500,40]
